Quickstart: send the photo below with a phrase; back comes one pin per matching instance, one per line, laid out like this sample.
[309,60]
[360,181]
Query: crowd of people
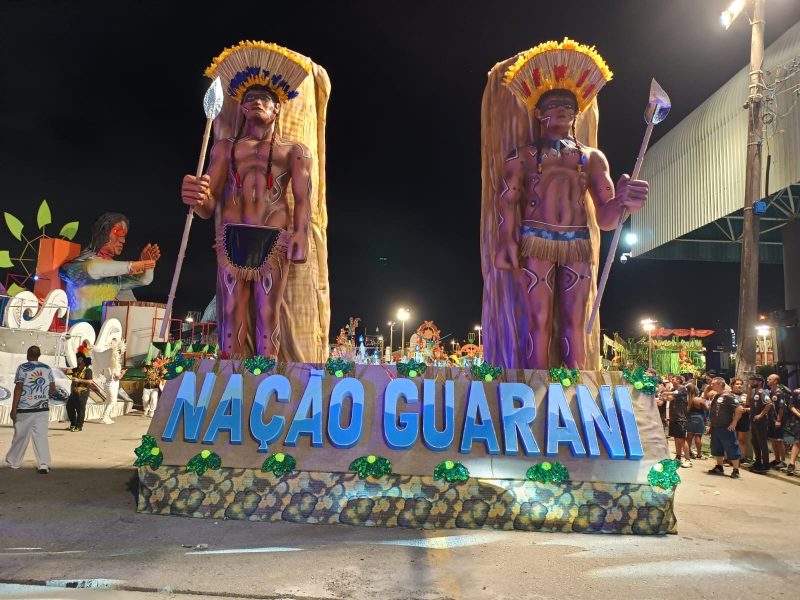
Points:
[748,422]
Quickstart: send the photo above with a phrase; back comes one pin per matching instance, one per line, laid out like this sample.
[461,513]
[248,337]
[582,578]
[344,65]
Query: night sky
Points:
[101,110]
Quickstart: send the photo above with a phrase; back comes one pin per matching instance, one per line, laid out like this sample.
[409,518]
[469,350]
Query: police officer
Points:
[760,409]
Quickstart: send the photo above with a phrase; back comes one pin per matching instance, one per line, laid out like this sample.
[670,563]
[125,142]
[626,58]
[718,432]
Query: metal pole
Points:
[403,338]
[650,349]
[391,337]
[765,350]
[748,281]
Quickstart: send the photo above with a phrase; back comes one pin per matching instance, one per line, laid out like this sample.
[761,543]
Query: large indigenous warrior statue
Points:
[547,193]
[94,276]
[246,191]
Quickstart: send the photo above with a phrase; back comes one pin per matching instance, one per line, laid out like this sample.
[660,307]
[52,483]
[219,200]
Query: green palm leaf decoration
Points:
[43,216]
[259,364]
[279,463]
[148,453]
[486,372]
[450,471]
[411,368]
[200,463]
[14,225]
[664,474]
[339,367]
[547,472]
[371,466]
[565,376]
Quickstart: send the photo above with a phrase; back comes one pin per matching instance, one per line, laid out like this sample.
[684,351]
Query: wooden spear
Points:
[657,109]
[212,105]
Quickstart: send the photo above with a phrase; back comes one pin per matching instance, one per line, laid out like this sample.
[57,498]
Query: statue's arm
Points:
[508,199]
[301,162]
[203,193]
[612,203]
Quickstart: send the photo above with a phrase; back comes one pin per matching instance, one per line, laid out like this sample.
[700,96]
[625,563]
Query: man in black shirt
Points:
[760,409]
[725,413]
[779,395]
[678,416]
[791,429]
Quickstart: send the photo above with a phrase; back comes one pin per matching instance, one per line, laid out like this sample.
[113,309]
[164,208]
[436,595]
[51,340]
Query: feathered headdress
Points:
[558,66]
[258,63]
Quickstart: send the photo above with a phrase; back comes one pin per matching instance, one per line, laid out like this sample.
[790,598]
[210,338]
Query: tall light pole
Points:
[403,315]
[479,329]
[649,325]
[391,325]
[748,279]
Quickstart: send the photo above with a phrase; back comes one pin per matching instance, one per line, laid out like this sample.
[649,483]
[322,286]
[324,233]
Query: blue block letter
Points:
[557,412]
[478,408]
[189,407]
[629,427]
[267,433]
[605,423]
[346,437]
[434,439]
[308,418]
[403,434]
[228,415]
[517,420]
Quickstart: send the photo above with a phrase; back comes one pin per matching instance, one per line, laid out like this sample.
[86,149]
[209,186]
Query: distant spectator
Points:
[30,412]
[743,426]
[79,392]
[760,409]
[678,417]
[779,394]
[725,413]
[696,424]
[791,429]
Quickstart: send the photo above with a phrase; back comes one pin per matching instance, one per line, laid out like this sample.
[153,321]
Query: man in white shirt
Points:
[30,412]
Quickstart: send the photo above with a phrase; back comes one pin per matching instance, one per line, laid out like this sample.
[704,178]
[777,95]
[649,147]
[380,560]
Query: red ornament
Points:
[237,179]
[270,180]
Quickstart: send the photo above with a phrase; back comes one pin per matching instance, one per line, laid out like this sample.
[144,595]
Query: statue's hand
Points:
[631,193]
[150,252]
[140,266]
[297,251]
[507,256]
[195,191]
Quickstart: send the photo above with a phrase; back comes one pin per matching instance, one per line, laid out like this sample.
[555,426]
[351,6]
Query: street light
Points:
[479,329]
[631,239]
[649,326]
[763,331]
[391,325]
[403,316]
[729,16]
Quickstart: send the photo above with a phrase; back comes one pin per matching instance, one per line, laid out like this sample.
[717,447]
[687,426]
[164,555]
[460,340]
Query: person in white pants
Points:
[30,412]
[112,391]
[152,387]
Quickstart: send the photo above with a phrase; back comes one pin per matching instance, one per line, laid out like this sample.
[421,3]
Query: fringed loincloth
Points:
[559,247]
[250,252]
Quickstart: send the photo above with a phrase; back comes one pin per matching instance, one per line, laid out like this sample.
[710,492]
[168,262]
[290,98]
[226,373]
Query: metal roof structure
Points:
[697,170]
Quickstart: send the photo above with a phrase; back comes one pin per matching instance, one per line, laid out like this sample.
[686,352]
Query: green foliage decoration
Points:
[148,453]
[177,365]
[259,364]
[202,462]
[371,466]
[450,471]
[565,376]
[664,474]
[486,372]
[411,368]
[640,380]
[279,463]
[548,472]
[339,367]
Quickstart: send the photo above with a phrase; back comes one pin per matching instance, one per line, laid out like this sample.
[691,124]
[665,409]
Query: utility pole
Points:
[748,281]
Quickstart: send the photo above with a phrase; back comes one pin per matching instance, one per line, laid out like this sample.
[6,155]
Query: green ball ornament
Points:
[371,459]
[659,467]
[155,451]
[339,373]
[412,373]
[546,466]
[256,371]
[449,464]
[179,369]
[488,378]
[205,453]
[566,382]
[280,457]
[638,385]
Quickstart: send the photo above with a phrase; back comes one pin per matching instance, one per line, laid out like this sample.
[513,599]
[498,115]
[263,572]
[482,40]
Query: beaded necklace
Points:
[557,145]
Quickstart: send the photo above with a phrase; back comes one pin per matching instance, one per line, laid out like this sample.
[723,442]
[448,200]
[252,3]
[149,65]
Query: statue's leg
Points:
[574,284]
[538,281]
[233,313]
[268,295]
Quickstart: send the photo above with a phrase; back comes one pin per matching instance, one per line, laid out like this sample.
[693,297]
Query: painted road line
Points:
[94,584]
[21,548]
[247,550]
[40,552]
[674,568]
[446,542]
